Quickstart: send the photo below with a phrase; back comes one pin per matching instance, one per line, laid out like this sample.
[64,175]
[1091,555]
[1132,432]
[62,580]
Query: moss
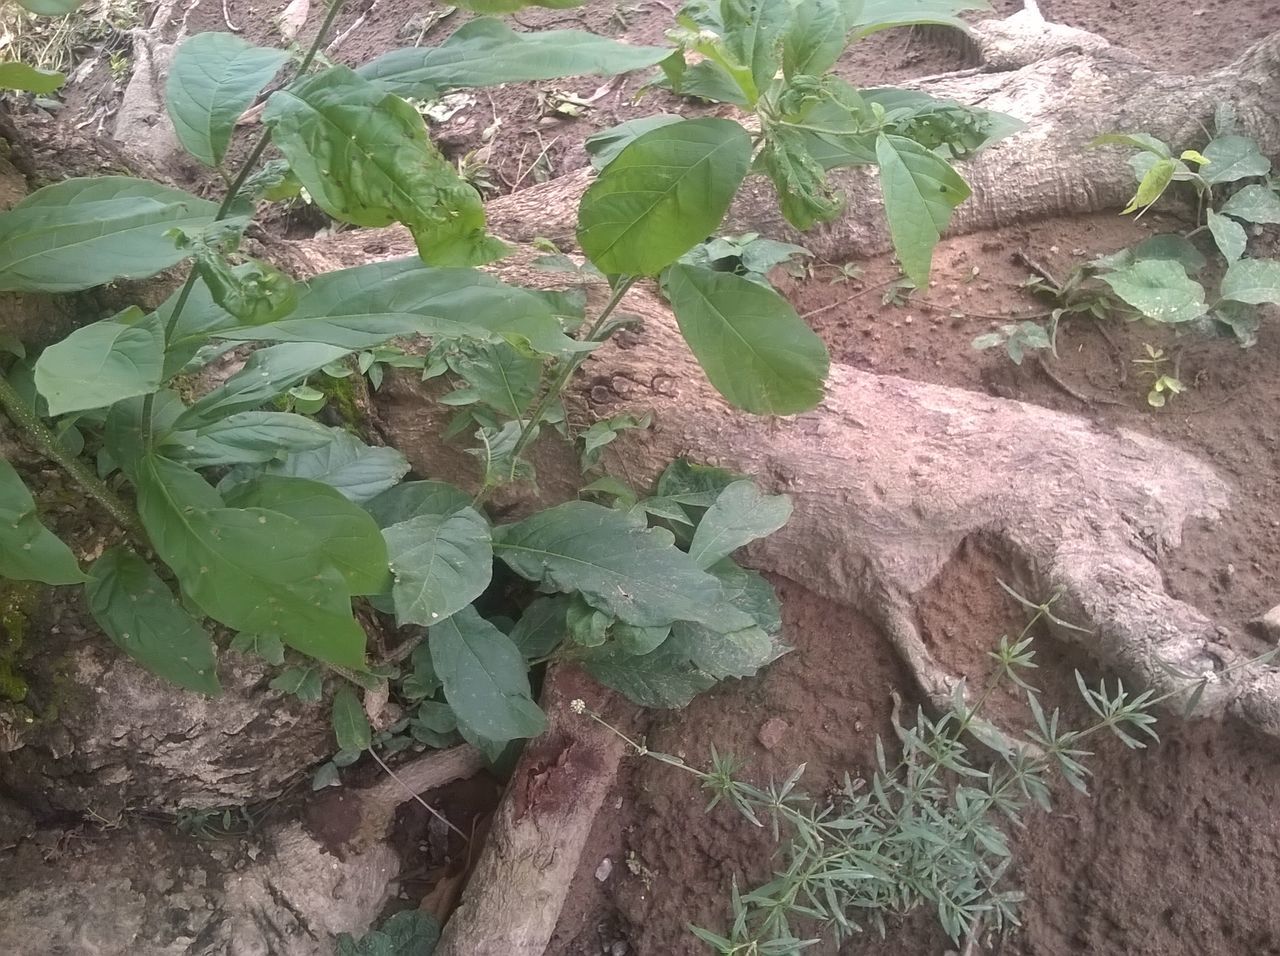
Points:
[18,600]
[341,393]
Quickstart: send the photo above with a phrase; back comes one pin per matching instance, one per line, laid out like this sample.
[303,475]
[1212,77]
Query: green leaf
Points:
[138,612]
[267,646]
[750,592]
[20,76]
[740,515]
[738,653]
[497,376]
[1142,141]
[214,78]
[804,195]
[413,498]
[1253,281]
[251,292]
[103,363]
[440,563]
[639,640]
[357,470]
[868,16]
[920,190]
[635,574]
[542,626]
[587,626]
[268,373]
[664,677]
[350,723]
[304,683]
[1151,187]
[80,233]
[815,38]
[511,6]
[364,156]
[752,31]
[50,8]
[247,438]
[485,679]
[407,933]
[28,550]
[365,306]
[755,349]
[487,53]
[1232,158]
[1159,289]
[662,195]
[252,569]
[349,537]
[1169,246]
[1254,203]
[604,147]
[1229,236]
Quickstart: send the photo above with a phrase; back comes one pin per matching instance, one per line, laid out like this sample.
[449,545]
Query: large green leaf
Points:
[605,146]
[815,37]
[348,535]
[738,653]
[357,470]
[868,16]
[252,569]
[740,515]
[618,566]
[1228,234]
[440,563]
[1254,203]
[752,32]
[350,723]
[268,373]
[28,550]
[214,78]
[247,438]
[1232,158]
[920,190]
[664,677]
[364,156]
[100,364]
[485,678]
[138,612]
[663,194]
[755,349]
[1254,281]
[1159,289]
[365,306]
[20,76]
[487,52]
[83,232]
[50,8]
[413,498]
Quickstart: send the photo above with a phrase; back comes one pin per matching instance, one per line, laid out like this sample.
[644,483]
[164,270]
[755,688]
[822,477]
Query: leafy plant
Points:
[407,933]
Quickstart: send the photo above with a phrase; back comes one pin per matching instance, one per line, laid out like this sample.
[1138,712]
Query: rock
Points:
[772,732]
[1268,626]
[604,869]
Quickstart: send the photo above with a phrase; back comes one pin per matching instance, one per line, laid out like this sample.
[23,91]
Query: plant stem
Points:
[25,418]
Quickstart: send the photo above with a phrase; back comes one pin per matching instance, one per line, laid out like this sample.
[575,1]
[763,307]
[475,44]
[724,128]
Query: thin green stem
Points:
[26,419]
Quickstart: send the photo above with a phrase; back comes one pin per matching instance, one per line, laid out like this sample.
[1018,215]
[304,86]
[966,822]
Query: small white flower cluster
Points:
[578,706]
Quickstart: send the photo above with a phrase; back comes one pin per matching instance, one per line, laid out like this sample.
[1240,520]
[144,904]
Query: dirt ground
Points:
[1176,850]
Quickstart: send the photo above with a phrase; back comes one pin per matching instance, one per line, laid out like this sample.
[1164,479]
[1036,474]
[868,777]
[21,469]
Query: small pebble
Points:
[604,869]
[772,732]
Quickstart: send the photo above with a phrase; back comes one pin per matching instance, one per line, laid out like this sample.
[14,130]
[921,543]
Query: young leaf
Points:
[357,470]
[348,535]
[1229,236]
[80,233]
[665,193]
[740,515]
[1155,180]
[1253,281]
[28,550]
[631,572]
[364,156]
[440,563]
[1159,289]
[488,52]
[755,349]
[920,190]
[214,78]
[542,626]
[1231,158]
[100,364]
[20,76]
[252,569]
[247,438]
[587,626]
[815,38]
[350,723]
[413,498]
[1254,203]
[138,612]
[267,646]
[50,8]
[804,195]
[485,678]
[752,30]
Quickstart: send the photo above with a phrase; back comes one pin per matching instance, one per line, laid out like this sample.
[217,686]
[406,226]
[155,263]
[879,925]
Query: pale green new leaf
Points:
[1254,203]
[618,566]
[29,79]
[485,678]
[348,535]
[350,723]
[364,156]
[440,563]
[214,78]
[920,191]
[739,516]
[252,569]
[1229,236]
[100,364]
[1151,187]
[1159,289]
[663,194]
[80,233]
[487,52]
[1141,141]
[357,470]
[138,612]
[28,550]
[1253,281]
[1231,158]
[247,438]
[755,349]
